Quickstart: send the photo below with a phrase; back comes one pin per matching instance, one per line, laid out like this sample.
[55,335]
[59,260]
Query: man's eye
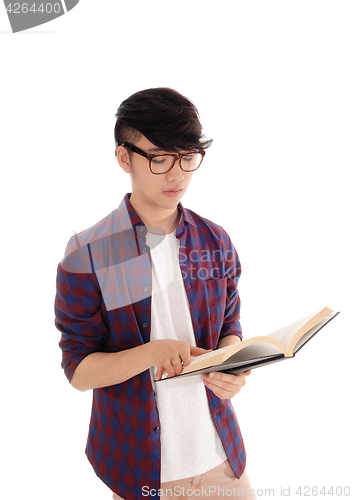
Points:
[188,157]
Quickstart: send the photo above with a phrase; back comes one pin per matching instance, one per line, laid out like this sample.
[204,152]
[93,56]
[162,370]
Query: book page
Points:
[320,316]
[282,340]
[221,355]
[286,334]
[311,332]
[210,355]
[253,351]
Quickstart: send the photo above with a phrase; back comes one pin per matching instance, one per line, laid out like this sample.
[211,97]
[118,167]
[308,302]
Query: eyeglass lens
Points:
[161,164]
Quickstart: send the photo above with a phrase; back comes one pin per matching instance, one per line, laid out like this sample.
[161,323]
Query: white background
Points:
[272,81]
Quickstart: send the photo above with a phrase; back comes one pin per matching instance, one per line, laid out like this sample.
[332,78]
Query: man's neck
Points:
[163,219]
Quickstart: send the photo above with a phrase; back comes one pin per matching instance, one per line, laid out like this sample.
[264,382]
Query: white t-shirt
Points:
[190,444]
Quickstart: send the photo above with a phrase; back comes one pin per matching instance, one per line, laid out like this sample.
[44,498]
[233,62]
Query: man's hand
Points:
[169,355]
[225,385]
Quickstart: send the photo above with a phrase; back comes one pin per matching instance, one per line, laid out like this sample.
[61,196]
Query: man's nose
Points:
[176,172]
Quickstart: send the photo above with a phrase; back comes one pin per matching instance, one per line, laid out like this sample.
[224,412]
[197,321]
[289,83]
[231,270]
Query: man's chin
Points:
[170,203]
[162,200]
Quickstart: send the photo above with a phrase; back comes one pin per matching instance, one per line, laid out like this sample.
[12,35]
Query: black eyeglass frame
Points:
[177,157]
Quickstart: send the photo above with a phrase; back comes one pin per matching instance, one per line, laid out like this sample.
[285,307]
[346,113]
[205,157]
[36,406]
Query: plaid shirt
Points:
[103,303]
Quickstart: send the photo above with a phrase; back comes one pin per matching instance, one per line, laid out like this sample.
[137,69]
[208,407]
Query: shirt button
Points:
[146,288]
[144,250]
[189,286]
[141,228]
[156,429]
[145,325]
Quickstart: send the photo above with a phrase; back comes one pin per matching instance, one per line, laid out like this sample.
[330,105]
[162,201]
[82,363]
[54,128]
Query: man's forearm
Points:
[102,369]
[228,340]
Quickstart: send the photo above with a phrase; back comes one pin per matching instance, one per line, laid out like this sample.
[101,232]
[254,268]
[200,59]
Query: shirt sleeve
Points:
[232,271]
[78,314]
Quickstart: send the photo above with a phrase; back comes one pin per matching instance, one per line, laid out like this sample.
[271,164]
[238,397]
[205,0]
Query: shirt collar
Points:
[127,215]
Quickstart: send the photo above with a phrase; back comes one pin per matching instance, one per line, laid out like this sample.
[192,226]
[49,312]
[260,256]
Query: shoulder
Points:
[77,258]
[214,238]
[205,226]
[101,229]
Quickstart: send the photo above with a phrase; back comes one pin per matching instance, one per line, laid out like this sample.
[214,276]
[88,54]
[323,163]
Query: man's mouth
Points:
[173,191]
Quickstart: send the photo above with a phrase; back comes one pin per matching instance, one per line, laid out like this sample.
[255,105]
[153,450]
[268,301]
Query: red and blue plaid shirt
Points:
[103,303]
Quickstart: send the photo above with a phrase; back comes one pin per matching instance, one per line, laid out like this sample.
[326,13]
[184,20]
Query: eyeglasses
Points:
[163,162]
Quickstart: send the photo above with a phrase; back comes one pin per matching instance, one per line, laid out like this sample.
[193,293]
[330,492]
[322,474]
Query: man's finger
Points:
[177,363]
[170,370]
[197,351]
[159,372]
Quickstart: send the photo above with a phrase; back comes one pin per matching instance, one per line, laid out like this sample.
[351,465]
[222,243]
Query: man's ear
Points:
[123,158]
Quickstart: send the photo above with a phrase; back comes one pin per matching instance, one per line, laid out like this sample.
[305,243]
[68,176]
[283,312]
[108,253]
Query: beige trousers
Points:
[216,484]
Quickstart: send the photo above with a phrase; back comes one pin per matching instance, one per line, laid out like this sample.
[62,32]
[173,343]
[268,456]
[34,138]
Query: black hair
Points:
[165,117]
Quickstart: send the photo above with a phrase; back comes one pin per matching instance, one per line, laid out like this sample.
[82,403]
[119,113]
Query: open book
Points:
[261,350]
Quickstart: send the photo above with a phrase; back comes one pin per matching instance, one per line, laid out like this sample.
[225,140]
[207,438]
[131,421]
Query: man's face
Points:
[156,190]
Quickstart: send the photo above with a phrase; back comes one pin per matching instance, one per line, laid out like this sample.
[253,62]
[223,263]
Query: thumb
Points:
[197,351]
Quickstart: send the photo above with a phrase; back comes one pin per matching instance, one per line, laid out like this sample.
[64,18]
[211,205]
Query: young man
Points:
[138,294]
